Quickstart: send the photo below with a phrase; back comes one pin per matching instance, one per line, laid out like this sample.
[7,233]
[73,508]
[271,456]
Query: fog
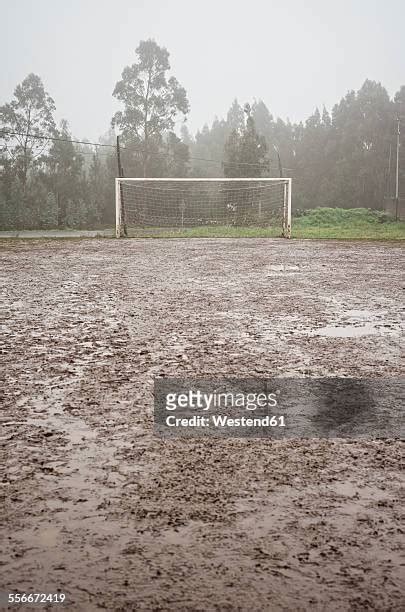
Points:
[294,55]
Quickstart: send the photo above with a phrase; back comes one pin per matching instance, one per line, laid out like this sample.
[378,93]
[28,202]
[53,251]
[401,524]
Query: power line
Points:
[213,161]
[54,138]
[130,148]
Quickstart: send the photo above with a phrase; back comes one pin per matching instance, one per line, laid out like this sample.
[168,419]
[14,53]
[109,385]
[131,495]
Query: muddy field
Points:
[97,507]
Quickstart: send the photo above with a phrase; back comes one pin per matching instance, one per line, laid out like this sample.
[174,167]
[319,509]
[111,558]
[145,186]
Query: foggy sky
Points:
[295,55]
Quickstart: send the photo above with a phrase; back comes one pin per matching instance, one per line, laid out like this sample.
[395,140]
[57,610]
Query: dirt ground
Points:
[97,507]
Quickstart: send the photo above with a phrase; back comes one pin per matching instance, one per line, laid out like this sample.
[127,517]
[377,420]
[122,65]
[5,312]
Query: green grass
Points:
[318,223]
[343,217]
[353,223]
[219,231]
[396,231]
[322,223]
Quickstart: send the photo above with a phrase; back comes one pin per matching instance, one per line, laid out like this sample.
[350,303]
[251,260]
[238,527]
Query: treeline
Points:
[342,158]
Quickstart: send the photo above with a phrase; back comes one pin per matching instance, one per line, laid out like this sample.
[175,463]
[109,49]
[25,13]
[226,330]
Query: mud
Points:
[96,506]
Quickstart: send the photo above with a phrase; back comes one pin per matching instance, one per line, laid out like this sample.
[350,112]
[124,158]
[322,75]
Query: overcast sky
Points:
[295,55]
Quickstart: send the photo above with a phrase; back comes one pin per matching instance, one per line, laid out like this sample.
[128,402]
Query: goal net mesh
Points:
[179,204]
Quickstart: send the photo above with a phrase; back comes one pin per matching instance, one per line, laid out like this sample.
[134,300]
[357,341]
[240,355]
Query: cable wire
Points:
[131,148]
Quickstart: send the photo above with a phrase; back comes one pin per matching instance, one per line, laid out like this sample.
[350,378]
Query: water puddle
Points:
[280,269]
[181,534]
[362,315]
[347,331]
[357,323]
[88,467]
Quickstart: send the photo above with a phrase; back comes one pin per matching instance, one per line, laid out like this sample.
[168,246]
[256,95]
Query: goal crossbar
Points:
[190,202]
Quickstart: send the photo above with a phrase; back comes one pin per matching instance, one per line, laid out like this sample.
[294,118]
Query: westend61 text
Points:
[225,421]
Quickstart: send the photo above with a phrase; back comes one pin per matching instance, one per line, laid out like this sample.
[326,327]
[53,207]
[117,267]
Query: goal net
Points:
[152,206]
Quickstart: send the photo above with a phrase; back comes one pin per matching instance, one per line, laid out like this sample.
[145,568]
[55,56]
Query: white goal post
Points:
[158,204]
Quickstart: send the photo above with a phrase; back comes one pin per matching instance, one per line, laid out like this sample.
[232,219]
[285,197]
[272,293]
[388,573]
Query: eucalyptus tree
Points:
[25,122]
[152,100]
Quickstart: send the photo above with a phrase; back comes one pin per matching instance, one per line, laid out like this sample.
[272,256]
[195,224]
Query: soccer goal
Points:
[150,206]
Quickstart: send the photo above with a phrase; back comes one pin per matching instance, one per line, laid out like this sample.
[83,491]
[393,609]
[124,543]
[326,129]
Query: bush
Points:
[347,217]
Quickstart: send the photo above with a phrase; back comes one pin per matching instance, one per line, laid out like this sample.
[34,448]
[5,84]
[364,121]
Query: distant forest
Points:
[340,157]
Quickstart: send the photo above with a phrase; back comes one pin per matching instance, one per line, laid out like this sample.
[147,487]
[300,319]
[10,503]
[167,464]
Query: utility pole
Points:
[120,169]
[397,174]
[280,167]
[388,185]
[121,174]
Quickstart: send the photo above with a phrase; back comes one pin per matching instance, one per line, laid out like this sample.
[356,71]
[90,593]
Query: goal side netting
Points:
[150,206]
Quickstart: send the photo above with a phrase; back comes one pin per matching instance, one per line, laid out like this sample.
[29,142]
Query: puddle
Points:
[276,269]
[182,534]
[90,467]
[364,314]
[347,331]
[355,323]
[41,537]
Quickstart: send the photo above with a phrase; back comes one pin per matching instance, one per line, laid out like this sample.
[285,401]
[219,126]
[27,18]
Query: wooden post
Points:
[121,174]
[280,167]
[397,174]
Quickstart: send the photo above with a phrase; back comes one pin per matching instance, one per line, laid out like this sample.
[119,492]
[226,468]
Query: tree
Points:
[171,158]
[279,137]
[263,119]
[151,100]
[178,156]
[209,145]
[95,190]
[399,100]
[209,142]
[312,162]
[186,137]
[326,118]
[65,178]
[245,150]
[363,125]
[29,114]
[235,118]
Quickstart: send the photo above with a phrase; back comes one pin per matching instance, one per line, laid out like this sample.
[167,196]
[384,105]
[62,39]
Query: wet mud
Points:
[94,505]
